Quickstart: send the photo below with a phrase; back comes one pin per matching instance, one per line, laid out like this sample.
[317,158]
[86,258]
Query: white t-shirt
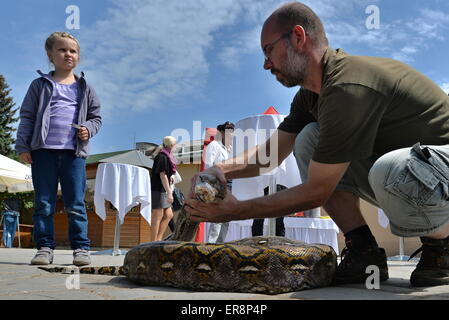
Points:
[216,152]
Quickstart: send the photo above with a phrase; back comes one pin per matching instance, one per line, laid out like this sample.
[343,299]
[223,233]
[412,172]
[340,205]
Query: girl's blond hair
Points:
[50,42]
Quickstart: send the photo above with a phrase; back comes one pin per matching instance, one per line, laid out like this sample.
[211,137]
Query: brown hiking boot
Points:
[433,267]
[352,268]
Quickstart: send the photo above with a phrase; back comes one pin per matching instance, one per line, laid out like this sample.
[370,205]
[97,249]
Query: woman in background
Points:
[164,167]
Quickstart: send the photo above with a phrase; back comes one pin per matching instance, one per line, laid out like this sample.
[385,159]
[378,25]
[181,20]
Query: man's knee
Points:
[411,192]
[382,168]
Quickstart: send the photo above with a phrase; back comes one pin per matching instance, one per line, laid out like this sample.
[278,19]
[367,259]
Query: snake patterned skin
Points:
[266,265]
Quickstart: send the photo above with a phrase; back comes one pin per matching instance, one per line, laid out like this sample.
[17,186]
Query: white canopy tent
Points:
[14,176]
[253,131]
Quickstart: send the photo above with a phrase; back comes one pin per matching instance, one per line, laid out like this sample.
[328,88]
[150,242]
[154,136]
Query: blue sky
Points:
[159,65]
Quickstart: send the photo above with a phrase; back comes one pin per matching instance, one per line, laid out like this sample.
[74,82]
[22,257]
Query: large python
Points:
[266,265]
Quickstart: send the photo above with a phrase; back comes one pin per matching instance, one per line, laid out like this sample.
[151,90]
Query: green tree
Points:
[7,118]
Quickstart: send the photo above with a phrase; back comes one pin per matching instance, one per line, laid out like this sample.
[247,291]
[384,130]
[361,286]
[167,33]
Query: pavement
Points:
[21,281]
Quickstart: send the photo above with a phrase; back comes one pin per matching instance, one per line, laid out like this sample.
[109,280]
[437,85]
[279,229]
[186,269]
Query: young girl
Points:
[164,167]
[58,117]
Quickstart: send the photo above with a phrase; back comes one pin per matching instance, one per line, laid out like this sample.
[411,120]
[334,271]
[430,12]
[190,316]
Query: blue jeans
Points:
[48,168]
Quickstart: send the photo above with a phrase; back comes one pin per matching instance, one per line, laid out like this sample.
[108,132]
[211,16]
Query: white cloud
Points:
[445,87]
[437,17]
[144,55]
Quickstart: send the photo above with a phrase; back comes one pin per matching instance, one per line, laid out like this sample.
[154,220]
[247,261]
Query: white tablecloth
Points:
[125,186]
[383,219]
[309,230]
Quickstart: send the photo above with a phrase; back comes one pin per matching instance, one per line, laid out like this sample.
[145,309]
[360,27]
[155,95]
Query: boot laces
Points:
[416,253]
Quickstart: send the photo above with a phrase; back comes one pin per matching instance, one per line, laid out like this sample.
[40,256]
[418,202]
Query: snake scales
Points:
[267,265]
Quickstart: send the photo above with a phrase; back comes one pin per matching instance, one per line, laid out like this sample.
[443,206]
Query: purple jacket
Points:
[35,115]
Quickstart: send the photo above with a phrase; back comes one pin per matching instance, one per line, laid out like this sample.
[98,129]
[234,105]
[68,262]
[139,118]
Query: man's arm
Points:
[269,155]
[323,179]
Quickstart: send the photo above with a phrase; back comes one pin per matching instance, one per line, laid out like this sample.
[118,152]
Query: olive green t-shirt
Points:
[370,106]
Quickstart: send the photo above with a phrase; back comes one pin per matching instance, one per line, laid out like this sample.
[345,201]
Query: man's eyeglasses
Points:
[270,47]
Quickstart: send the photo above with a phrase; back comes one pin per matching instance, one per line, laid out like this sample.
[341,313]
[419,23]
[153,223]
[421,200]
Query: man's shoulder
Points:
[377,73]
[305,98]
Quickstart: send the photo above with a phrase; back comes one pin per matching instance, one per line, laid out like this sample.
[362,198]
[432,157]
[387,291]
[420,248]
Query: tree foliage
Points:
[7,119]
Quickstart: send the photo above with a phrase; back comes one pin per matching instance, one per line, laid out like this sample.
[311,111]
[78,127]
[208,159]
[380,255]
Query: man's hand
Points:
[26,157]
[224,211]
[215,171]
[83,134]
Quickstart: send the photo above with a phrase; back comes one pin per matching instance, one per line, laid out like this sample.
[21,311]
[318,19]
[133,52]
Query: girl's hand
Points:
[83,134]
[170,197]
[26,157]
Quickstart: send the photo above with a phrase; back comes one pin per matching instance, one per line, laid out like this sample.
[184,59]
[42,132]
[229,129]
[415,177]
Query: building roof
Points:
[189,152]
[133,157]
[97,157]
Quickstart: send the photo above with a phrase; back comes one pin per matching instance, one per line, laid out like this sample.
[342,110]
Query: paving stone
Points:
[21,281]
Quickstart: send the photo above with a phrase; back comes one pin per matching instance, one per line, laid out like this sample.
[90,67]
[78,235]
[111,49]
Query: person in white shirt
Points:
[218,151]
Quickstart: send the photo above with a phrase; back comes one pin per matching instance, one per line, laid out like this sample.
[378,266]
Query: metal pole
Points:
[116,251]
[272,221]
[401,256]
[18,231]
[401,246]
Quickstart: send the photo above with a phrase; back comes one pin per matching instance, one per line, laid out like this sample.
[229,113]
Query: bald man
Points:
[360,128]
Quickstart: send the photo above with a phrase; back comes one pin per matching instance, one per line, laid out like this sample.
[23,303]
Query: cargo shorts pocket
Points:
[424,181]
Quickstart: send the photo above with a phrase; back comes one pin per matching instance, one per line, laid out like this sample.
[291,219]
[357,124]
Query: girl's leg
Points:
[156,217]
[45,181]
[167,216]
[73,186]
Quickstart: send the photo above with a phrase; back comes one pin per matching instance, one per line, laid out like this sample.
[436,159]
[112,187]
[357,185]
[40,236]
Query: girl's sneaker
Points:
[81,257]
[44,256]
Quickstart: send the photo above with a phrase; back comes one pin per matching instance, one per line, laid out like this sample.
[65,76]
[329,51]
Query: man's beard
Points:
[294,69]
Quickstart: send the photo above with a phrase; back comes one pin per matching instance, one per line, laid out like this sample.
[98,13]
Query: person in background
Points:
[218,151]
[258,224]
[58,117]
[164,167]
